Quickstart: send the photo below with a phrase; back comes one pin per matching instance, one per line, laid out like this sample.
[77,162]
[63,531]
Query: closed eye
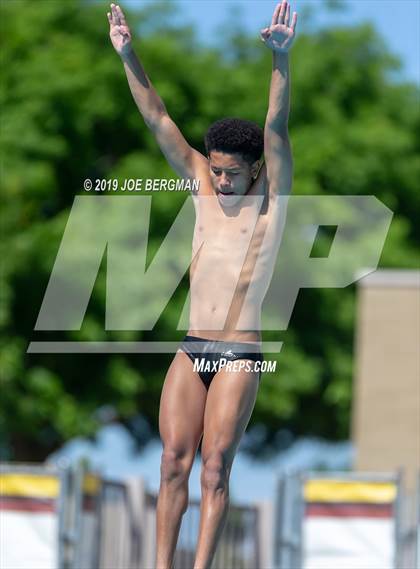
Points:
[228,173]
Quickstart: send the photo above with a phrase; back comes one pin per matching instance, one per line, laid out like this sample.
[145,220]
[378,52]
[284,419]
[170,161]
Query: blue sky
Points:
[397,21]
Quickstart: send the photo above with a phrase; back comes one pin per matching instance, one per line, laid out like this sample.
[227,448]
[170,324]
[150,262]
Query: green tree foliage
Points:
[67,114]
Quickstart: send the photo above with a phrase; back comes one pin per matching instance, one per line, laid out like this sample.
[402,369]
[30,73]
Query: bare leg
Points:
[181,418]
[229,405]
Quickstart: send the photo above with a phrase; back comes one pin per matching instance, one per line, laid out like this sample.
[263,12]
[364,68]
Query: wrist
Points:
[126,52]
[280,52]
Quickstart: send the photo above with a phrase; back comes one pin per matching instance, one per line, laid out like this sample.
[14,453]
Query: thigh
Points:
[230,402]
[182,404]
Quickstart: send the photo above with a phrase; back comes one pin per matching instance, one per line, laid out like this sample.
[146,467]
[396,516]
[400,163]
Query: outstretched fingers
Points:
[121,16]
[282,14]
[294,20]
[287,15]
[115,15]
[276,13]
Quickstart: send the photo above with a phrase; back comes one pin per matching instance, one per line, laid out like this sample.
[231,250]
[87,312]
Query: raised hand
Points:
[119,32]
[281,33]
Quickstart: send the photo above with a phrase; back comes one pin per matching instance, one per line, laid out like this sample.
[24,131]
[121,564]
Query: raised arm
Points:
[277,151]
[181,156]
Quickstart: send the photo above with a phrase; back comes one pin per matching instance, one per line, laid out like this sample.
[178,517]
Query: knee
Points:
[173,465]
[215,472]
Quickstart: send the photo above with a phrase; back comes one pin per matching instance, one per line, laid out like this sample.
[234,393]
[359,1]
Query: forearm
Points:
[279,99]
[147,100]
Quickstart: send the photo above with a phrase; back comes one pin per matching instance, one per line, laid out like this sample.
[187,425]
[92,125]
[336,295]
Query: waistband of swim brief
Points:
[219,346]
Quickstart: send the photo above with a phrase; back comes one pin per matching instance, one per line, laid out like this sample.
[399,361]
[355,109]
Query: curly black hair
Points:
[236,136]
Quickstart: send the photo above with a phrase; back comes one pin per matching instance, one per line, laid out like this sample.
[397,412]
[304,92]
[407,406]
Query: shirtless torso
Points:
[233,257]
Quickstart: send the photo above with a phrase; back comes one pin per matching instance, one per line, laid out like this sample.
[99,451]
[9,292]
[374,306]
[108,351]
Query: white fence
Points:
[70,519]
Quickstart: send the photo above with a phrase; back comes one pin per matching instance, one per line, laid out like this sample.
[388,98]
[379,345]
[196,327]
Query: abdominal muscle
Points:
[209,318]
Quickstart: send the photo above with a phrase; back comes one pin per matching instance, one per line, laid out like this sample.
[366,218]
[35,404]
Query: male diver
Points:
[237,207]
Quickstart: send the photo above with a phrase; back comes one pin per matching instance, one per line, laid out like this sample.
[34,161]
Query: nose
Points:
[224,180]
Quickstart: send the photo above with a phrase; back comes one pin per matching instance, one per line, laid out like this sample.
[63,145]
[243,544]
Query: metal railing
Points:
[292,509]
[127,531]
[103,524]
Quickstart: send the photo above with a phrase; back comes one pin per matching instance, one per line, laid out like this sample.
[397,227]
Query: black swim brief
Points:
[209,356]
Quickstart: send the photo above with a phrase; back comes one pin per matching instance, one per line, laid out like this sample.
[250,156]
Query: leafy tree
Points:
[67,114]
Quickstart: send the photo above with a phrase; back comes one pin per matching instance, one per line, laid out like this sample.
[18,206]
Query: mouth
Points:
[226,193]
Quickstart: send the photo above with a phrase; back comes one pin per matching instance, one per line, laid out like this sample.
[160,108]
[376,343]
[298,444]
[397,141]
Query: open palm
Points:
[281,33]
[119,32]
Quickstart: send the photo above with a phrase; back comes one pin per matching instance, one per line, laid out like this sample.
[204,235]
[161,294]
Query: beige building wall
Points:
[386,401]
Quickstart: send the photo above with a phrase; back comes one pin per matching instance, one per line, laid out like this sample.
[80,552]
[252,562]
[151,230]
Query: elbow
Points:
[154,120]
[154,113]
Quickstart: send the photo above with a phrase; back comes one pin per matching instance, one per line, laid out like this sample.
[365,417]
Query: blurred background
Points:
[67,114]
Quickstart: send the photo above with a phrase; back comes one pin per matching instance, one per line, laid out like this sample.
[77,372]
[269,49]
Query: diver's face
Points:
[231,177]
